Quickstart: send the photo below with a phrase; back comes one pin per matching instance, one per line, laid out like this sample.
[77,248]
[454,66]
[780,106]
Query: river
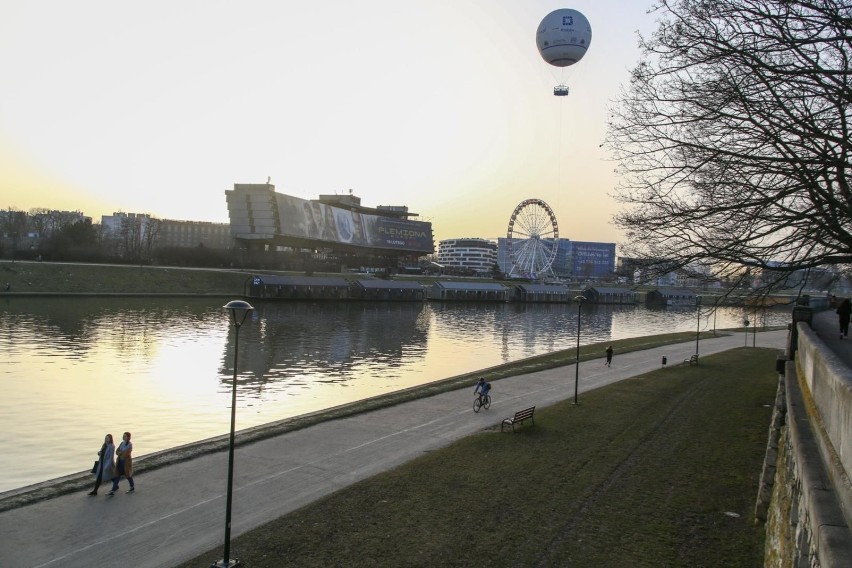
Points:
[76,368]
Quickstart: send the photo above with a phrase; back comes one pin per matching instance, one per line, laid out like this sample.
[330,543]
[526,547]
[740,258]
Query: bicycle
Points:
[481,400]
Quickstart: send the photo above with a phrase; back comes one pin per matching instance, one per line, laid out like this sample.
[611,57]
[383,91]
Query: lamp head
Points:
[239,310]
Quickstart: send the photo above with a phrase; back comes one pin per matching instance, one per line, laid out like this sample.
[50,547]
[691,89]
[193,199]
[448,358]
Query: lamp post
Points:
[754,330]
[579,300]
[697,325]
[239,310]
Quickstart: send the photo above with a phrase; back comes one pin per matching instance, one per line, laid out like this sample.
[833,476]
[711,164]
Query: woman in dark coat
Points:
[106,465]
[843,311]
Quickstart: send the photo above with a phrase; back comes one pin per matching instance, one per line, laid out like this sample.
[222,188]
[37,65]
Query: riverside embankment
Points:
[38,278]
[177,510]
[172,357]
[806,493]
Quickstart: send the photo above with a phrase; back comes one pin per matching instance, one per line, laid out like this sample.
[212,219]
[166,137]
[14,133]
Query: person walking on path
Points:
[843,312]
[608,356]
[106,466]
[124,466]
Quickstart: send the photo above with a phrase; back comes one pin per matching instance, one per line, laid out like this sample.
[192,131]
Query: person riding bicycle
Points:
[482,388]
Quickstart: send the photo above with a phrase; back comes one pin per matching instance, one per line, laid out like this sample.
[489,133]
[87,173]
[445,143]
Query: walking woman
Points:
[106,466]
[124,466]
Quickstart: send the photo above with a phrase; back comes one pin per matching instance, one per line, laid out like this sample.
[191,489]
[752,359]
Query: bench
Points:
[519,417]
[691,361]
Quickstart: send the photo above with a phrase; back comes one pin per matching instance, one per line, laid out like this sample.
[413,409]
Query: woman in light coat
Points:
[124,466]
[106,465]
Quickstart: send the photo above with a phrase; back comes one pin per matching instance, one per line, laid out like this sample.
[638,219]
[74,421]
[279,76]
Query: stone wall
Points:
[809,516]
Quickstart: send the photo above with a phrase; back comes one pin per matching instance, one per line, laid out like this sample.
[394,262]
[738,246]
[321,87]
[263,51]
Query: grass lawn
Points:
[49,277]
[660,470]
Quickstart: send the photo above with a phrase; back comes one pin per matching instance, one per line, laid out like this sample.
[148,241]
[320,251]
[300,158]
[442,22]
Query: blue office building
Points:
[592,260]
[574,259]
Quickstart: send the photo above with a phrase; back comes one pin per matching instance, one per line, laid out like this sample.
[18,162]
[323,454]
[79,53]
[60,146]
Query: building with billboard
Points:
[592,260]
[262,219]
[561,266]
[573,259]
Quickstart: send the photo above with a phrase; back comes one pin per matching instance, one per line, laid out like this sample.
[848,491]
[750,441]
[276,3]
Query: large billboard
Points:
[593,259]
[305,219]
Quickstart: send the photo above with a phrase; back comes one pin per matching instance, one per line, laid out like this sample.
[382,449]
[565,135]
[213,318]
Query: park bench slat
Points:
[519,418]
[691,361]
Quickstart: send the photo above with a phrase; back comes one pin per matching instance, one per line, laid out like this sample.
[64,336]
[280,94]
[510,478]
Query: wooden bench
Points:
[691,361]
[519,417]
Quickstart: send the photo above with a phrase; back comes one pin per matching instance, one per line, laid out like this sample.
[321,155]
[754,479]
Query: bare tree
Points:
[130,233]
[13,227]
[40,221]
[151,234]
[733,137]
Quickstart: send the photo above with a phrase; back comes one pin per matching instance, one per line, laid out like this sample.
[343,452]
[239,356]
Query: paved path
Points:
[827,327]
[178,511]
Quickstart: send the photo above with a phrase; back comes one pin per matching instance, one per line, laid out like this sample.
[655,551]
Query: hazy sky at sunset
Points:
[442,105]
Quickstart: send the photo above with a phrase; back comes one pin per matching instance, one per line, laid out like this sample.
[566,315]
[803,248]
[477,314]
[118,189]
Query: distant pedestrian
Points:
[105,469]
[609,356]
[843,311]
[8,287]
[124,465]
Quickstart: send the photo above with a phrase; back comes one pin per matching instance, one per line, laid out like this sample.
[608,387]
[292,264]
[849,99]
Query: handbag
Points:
[95,467]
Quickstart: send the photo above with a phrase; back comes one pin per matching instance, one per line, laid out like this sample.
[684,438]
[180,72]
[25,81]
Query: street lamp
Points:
[754,329]
[579,300]
[239,310]
[698,325]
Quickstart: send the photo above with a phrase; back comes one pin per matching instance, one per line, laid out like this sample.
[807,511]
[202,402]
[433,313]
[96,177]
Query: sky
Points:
[441,105]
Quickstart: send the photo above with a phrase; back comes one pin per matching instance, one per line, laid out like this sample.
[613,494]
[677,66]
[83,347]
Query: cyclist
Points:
[482,388]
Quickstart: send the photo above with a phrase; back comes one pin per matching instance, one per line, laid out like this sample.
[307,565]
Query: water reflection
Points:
[75,369]
[288,346]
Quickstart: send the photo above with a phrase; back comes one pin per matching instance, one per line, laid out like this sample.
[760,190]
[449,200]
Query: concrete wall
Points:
[830,385]
[810,514]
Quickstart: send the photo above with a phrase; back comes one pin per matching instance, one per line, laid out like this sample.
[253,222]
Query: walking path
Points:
[178,511]
[827,327]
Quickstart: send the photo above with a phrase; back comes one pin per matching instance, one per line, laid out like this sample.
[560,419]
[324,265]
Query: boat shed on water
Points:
[387,290]
[670,297]
[469,291]
[600,295]
[298,287]
[545,293]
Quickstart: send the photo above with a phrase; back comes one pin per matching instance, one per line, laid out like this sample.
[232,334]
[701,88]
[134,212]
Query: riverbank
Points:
[177,512]
[659,470]
[76,482]
[104,279]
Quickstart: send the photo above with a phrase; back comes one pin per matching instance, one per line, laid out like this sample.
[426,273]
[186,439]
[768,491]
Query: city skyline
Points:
[444,107]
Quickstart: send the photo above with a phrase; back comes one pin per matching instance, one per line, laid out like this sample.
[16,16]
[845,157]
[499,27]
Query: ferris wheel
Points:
[533,237]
